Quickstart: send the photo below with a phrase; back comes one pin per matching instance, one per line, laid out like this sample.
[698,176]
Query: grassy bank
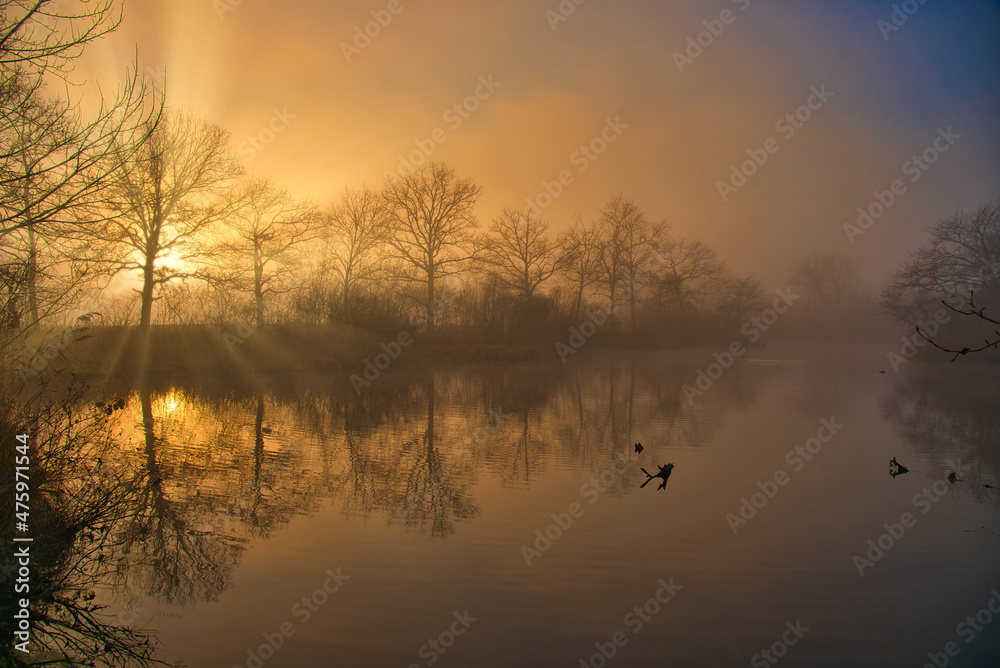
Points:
[210,350]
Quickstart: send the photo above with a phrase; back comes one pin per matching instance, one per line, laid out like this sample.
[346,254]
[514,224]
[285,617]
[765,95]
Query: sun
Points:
[172,402]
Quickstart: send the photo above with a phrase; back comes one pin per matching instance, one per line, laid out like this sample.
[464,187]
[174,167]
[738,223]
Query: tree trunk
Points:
[31,272]
[145,315]
[613,296]
[631,307]
[32,277]
[346,296]
[149,276]
[258,286]
[430,300]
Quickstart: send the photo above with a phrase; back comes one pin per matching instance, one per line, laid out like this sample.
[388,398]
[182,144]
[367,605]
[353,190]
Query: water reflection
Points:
[175,557]
[227,464]
[82,497]
[430,489]
[945,412]
[216,466]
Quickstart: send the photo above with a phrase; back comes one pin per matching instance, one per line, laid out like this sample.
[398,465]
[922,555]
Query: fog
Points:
[892,89]
[331,329]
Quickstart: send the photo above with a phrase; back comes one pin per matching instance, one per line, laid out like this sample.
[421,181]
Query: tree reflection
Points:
[527,453]
[435,492]
[82,496]
[223,464]
[174,562]
[946,412]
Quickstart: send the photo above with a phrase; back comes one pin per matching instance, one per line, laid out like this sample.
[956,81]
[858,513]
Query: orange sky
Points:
[239,63]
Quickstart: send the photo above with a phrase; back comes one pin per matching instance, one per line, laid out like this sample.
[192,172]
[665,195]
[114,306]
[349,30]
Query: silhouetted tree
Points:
[45,35]
[582,259]
[640,243]
[166,197]
[958,267]
[520,253]
[262,238]
[827,280]
[55,161]
[962,255]
[976,312]
[621,225]
[433,226]
[739,297]
[687,271]
[357,227]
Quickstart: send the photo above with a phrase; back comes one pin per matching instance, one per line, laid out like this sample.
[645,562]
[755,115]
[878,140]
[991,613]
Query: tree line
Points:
[140,214]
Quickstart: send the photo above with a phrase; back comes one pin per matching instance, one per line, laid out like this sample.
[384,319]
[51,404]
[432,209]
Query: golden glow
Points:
[351,121]
[170,403]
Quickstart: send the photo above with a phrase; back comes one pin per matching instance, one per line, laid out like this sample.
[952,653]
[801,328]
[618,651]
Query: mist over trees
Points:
[262,238]
[961,256]
[56,162]
[165,201]
[357,230]
[953,280]
[431,227]
[141,213]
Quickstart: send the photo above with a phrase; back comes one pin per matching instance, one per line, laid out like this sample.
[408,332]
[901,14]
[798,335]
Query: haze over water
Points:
[458,334]
[425,491]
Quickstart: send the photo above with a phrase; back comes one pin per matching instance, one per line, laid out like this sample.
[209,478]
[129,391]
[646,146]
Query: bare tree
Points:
[739,298]
[53,163]
[962,255]
[975,312]
[520,253]
[433,226]
[45,35]
[35,131]
[687,271]
[52,173]
[165,197]
[618,223]
[640,241]
[261,238]
[358,226]
[581,259]
[827,280]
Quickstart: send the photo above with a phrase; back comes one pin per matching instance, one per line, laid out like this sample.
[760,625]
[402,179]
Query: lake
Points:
[499,515]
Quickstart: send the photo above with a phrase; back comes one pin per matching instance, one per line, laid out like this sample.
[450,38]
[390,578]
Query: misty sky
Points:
[561,88]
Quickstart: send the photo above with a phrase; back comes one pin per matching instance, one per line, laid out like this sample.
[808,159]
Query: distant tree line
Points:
[142,213]
[164,202]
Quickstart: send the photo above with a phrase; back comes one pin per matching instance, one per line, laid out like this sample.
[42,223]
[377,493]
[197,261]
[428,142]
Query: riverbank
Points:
[210,350]
[214,351]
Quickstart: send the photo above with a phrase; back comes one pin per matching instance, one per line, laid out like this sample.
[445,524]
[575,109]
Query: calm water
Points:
[426,497]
